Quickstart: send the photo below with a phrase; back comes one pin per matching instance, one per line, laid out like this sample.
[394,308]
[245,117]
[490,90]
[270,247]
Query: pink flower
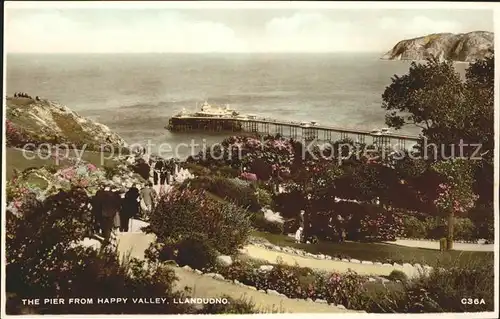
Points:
[84,183]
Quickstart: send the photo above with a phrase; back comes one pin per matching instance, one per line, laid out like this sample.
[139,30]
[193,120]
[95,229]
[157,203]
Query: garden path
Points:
[432,244]
[272,257]
[136,242]
[133,244]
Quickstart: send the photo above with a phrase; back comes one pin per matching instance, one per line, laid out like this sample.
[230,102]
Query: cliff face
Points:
[47,121]
[466,47]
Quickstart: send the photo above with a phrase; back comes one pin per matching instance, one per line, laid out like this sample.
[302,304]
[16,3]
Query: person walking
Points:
[119,196]
[342,233]
[148,198]
[299,235]
[130,207]
[97,201]
[143,168]
[158,169]
[165,174]
[110,203]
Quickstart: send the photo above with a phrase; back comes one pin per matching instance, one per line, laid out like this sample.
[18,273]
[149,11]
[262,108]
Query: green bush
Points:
[195,253]
[233,190]
[431,228]
[414,227]
[483,218]
[264,197]
[259,222]
[111,170]
[196,169]
[464,229]
[397,275]
[192,214]
[441,291]
[228,172]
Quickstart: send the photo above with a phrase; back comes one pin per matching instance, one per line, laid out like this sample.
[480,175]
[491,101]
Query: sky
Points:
[113,30]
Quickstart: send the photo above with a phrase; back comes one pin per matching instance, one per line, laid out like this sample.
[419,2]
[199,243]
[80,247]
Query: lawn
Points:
[383,252]
[14,159]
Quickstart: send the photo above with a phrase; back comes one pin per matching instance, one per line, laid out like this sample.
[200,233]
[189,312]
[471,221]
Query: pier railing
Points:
[296,130]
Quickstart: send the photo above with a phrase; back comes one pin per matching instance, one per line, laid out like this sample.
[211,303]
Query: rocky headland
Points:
[463,47]
[43,121]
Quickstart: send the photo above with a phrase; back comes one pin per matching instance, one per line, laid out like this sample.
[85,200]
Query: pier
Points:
[295,130]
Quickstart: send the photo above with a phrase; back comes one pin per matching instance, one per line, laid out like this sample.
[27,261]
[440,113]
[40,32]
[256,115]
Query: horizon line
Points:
[228,52]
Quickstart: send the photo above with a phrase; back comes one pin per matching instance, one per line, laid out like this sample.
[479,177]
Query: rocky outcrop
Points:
[465,47]
[39,120]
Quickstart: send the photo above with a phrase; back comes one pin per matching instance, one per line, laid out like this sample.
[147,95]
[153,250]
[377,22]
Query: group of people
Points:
[112,209]
[26,95]
[162,172]
[302,233]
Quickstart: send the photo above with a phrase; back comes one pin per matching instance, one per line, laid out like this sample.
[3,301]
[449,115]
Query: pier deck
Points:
[296,130]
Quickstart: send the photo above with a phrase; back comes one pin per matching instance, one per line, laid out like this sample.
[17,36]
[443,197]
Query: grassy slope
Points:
[382,252]
[15,159]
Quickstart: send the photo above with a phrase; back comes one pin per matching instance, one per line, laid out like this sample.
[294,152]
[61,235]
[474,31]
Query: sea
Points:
[135,94]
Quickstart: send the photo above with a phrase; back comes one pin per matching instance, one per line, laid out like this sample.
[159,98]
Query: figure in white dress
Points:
[298,235]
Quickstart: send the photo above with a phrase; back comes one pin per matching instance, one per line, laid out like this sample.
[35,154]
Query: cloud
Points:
[309,32]
[419,26]
[167,32]
[107,31]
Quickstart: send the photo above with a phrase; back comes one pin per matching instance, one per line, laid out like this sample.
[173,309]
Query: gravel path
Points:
[431,244]
[134,244]
[272,257]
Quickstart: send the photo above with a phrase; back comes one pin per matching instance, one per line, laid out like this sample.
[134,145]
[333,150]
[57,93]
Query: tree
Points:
[456,194]
[432,96]
[457,116]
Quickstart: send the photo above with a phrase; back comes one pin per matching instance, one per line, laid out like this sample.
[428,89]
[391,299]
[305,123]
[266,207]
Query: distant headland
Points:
[463,47]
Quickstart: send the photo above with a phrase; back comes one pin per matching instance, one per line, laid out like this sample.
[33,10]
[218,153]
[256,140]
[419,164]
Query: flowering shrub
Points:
[87,176]
[456,195]
[448,201]
[43,230]
[285,280]
[439,292]
[297,282]
[15,137]
[186,213]
[341,288]
[271,153]
[381,226]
